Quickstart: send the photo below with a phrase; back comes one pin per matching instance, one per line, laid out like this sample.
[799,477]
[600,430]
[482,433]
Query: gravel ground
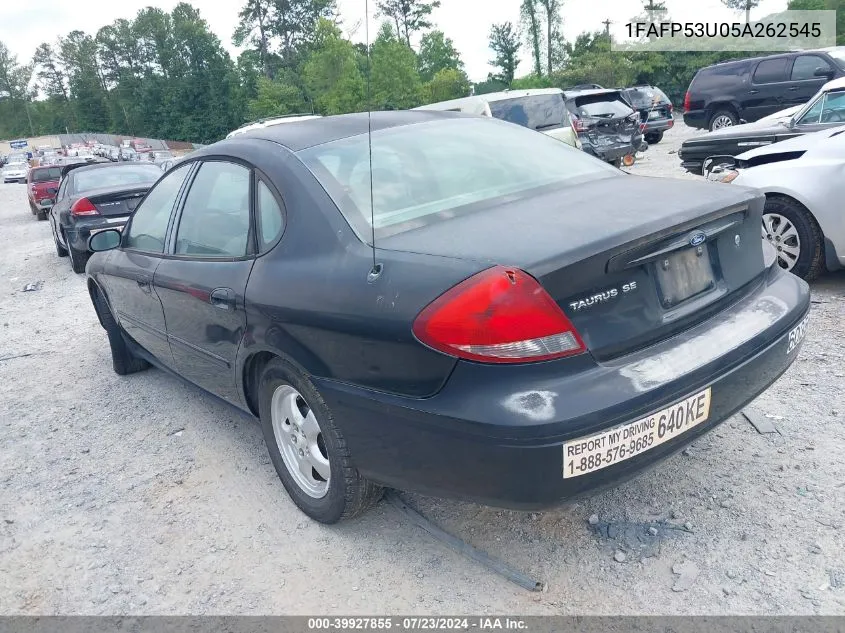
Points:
[145,495]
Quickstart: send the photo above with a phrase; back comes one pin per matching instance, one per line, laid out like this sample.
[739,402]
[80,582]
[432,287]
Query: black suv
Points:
[749,89]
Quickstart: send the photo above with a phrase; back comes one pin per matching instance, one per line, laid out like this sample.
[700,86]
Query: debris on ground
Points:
[760,422]
[32,287]
[687,573]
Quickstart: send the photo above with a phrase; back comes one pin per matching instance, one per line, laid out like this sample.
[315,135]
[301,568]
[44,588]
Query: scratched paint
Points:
[701,349]
[535,405]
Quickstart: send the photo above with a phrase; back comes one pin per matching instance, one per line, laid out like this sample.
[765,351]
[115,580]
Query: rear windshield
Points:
[540,112]
[114,177]
[46,175]
[838,55]
[603,106]
[430,172]
[645,96]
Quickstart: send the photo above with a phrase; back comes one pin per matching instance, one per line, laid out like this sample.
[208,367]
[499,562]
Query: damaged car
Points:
[804,182]
[607,126]
[657,114]
[824,111]
[448,304]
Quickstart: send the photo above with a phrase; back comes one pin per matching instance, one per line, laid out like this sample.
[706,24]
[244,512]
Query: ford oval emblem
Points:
[697,238]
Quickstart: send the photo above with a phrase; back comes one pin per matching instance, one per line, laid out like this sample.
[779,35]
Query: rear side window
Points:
[539,112]
[770,71]
[805,67]
[215,218]
[270,217]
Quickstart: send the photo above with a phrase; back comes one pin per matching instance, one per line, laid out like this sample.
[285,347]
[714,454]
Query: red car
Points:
[42,184]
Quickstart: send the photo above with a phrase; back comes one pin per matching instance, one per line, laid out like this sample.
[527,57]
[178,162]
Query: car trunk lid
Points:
[119,202]
[631,261]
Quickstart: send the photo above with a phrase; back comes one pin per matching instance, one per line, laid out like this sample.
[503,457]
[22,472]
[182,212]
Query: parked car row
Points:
[279,270]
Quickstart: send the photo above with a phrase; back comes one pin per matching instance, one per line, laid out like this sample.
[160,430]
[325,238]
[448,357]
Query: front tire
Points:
[308,450]
[123,360]
[61,251]
[722,119]
[796,236]
[653,138]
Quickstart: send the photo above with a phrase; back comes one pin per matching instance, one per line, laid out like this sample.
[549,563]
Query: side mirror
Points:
[821,71]
[52,191]
[104,240]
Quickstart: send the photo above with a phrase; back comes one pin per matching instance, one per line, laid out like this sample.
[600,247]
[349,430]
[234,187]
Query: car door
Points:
[769,84]
[804,81]
[203,280]
[58,206]
[129,270]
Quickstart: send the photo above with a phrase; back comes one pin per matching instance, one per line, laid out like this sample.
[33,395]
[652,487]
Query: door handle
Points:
[753,92]
[793,89]
[145,284]
[223,298]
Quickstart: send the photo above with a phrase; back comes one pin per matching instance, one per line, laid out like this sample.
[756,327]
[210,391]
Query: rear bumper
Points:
[495,435]
[77,236]
[657,125]
[696,119]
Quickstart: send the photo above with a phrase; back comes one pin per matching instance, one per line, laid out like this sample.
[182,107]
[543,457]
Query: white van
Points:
[541,109]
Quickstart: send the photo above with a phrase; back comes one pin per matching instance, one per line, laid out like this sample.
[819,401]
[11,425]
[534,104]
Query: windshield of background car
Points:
[830,108]
[644,97]
[430,172]
[115,177]
[838,55]
[540,112]
[605,106]
[46,175]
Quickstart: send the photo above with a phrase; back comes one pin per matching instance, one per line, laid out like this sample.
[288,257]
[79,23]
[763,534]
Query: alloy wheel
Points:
[722,121]
[300,441]
[783,236]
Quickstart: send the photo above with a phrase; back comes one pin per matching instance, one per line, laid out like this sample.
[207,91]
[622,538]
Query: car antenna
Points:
[375,271]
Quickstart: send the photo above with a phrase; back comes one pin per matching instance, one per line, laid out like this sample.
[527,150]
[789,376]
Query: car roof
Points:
[299,135]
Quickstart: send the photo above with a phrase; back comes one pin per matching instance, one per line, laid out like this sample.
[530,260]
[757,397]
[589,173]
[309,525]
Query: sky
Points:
[26,23]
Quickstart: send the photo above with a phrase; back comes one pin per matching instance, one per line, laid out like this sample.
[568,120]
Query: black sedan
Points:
[93,197]
[528,326]
[826,110]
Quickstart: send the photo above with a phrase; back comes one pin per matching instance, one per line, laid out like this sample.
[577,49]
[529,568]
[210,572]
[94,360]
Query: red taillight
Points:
[83,206]
[687,102]
[577,125]
[500,315]
[671,108]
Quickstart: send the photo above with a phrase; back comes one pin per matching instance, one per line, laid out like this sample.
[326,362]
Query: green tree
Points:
[275,98]
[409,16]
[437,52]
[834,5]
[447,83]
[331,75]
[254,21]
[294,23]
[394,78]
[78,55]
[531,22]
[491,84]
[15,98]
[553,19]
[742,5]
[504,41]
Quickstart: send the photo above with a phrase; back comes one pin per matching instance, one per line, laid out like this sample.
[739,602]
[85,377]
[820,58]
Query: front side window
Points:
[805,67]
[215,218]
[430,172]
[148,228]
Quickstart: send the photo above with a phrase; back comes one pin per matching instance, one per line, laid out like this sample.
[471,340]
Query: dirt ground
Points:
[144,495]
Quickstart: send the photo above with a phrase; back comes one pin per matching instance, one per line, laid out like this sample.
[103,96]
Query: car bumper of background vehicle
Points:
[658,125]
[495,435]
[77,237]
[696,119]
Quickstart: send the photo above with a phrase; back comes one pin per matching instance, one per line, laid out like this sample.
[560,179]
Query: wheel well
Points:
[253,367]
[720,105]
[93,291]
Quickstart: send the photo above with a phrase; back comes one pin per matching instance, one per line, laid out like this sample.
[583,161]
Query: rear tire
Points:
[653,138]
[123,360]
[787,219]
[78,259]
[345,493]
[722,118]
